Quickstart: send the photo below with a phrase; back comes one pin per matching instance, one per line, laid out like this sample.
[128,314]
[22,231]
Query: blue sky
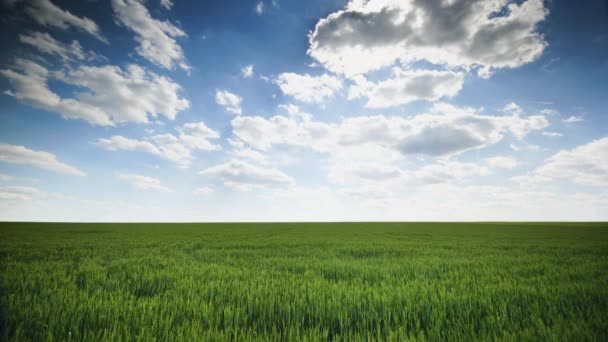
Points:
[127,110]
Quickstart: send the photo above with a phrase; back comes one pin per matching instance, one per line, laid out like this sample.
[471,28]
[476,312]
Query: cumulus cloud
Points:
[156,38]
[259,8]
[585,164]
[21,155]
[143,182]
[45,13]
[445,130]
[49,45]
[406,86]
[308,88]
[111,95]
[231,102]
[19,193]
[369,35]
[177,148]
[243,176]
[247,71]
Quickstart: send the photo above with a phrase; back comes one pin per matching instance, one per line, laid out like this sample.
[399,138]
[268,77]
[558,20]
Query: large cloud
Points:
[155,37]
[41,159]
[445,130]
[244,176]
[369,35]
[110,95]
[176,148]
[585,164]
[45,13]
[406,86]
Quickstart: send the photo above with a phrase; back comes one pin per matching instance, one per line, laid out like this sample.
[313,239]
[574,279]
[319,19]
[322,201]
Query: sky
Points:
[319,110]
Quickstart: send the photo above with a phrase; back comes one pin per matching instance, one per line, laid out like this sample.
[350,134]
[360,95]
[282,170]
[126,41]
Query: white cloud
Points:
[259,8]
[308,88]
[166,4]
[5,178]
[41,159]
[155,37]
[552,134]
[406,86]
[513,108]
[369,35]
[204,190]
[502,162]
[111,95]
[231,102]
[45,13]
[19,193]
[445,130]
[176,148]
[243,176]
[49,45]
[585,164]
[573,119]
[143,182]
[247,71]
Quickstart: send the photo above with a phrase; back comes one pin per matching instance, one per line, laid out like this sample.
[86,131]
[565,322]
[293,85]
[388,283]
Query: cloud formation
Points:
[371,34]
[45,13]
[585,164]
[108,96]
[176,148]
[243,176]
[231,102]
[21,155]
[407,86]
[156,38]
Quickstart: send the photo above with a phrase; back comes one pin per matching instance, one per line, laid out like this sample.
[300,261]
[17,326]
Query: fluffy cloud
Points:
[308,88]
[176,148]
[586,164]
[231,102]
[155,37]
[45,13]
[243,176]
[143,182]
[44,160]
[112,95]
[259,8]
[369,35]
[247,71]
[47,44]
[445,130]
[20,193]
[406,86]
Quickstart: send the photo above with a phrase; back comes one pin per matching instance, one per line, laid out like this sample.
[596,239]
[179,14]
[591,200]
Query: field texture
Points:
[304,281]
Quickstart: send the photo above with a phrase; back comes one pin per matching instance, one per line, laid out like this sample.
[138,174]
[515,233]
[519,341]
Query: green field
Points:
[350,281]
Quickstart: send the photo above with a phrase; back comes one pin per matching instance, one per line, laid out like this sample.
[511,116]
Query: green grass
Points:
[363,281]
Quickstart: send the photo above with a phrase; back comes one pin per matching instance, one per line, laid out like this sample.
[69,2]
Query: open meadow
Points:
[322,281]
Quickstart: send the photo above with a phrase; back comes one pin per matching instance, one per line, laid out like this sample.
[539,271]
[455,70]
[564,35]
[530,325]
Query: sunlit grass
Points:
[305,281]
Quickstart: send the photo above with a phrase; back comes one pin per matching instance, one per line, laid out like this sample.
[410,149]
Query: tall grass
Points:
[305,281]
